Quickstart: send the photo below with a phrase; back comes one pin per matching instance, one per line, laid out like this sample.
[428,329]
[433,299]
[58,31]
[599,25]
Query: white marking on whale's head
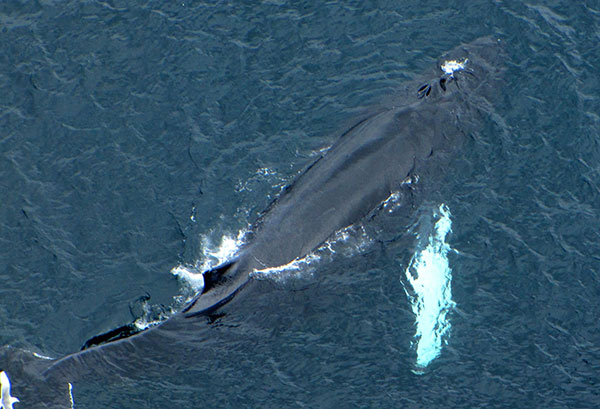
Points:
[451,66]
[6,401]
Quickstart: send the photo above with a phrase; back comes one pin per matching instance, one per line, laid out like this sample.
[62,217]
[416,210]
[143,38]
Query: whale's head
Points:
[469,70]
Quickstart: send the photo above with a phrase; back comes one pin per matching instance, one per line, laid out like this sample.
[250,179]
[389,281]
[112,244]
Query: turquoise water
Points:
[135,134]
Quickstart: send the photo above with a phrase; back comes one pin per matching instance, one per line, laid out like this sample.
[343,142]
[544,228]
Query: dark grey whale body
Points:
[372,159]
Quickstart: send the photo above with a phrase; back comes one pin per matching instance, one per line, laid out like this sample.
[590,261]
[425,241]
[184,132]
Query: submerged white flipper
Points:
[6,401]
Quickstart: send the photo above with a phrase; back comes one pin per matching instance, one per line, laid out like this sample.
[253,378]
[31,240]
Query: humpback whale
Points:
[391,144]
[371,160]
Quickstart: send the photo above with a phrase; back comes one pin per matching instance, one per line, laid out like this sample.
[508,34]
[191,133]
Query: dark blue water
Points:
[131,133]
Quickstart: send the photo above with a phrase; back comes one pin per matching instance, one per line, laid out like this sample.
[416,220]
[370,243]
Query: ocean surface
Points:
[142,139]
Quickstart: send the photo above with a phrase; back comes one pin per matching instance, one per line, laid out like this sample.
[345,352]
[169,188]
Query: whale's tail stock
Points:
[25,385]
[38,381]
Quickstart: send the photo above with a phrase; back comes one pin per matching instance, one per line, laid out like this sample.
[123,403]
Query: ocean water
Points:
[135,137]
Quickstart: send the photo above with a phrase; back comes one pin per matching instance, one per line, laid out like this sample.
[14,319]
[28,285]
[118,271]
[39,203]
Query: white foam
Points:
[350,241]
[394,201]
[430,276]
[222,253]
[321,151]
[265,172]
[190,276]
[150,318]
[261,175]
[282,272]
[212,255]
